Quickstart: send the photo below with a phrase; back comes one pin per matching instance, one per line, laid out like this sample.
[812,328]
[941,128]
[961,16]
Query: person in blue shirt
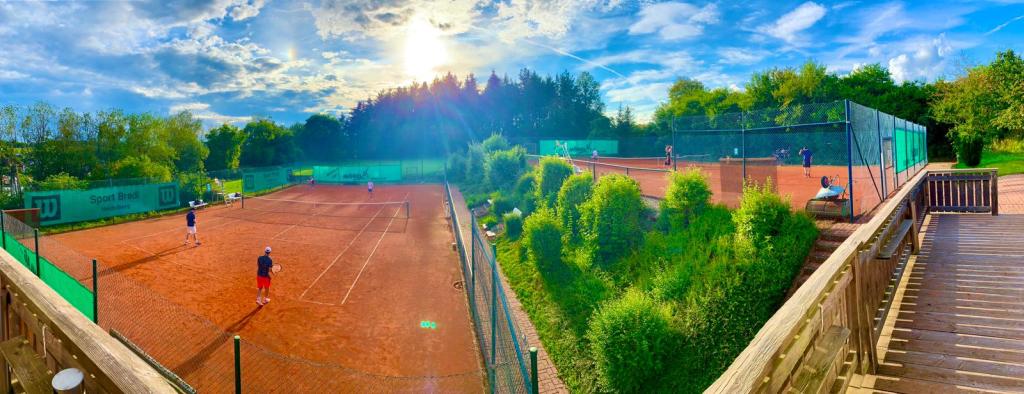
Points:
[190,223]
[807,154]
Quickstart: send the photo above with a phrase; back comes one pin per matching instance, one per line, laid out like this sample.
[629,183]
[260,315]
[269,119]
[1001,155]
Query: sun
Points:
[424,50]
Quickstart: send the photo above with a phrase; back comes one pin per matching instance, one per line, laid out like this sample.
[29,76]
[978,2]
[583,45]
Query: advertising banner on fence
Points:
[358,174]
[263,179]
[68,206]
[580,148]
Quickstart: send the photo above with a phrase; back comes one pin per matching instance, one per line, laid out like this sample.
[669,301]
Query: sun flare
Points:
[424,50]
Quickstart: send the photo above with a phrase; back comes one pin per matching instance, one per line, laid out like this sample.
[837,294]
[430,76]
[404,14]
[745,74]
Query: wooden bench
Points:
[30,373]
[197,204]
[889,249]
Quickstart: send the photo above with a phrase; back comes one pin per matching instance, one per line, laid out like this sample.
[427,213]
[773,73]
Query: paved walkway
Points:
[1011,194]
[548,379]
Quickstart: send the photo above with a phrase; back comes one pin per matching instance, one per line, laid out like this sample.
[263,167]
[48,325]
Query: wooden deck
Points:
[959,324]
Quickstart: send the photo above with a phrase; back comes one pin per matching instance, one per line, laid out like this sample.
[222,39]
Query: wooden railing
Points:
[43,334]
[963,191]
[828,330]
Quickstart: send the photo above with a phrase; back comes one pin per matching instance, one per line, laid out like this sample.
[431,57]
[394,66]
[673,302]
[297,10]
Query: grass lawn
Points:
[1008,163]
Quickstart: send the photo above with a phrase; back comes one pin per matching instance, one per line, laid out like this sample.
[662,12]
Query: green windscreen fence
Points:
[358,174]
[69,206]
[580,147]
[256,180]
[19,241]
[909,147]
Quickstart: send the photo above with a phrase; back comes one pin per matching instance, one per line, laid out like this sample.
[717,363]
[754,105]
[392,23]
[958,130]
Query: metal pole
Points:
[895,157]
[35,232]
[95,295]
[743,147]
[881,153]
[849,157]
[673,156]
[238,365]
[494,313]
[3,229]
[534,380]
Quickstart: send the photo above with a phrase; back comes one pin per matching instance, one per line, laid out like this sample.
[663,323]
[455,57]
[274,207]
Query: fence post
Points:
[743,147]
[593,170]
[534,380]
[3,229]
[494,312]
[881,154]
[35,232]
[849,159]
[238,365]
[95,295]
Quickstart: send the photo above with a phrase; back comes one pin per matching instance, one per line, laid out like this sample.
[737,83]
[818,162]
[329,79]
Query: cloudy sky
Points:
[226,60]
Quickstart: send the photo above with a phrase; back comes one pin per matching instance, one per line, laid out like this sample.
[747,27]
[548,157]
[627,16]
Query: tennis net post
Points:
[408,210]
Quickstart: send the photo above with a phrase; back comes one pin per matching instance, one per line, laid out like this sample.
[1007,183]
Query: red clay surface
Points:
[346,310]
[725,179]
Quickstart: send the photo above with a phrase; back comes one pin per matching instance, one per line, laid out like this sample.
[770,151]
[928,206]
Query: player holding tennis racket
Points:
[264,267]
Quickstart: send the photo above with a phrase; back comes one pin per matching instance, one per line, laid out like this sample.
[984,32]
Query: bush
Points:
[688,195]
[474,170]
[513,225]
[526,199]
[574,192]
[500,205]
[62,181]
[969,148]
[142,167]
[192,186]
[551,172]
[456,169]
[504,167]
[760,215]
[543,240]
[610,221]
[631,340]
[495,143]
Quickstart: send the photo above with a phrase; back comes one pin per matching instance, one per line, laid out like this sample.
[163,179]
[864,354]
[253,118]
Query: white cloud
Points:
[246,10]
[675,21]
[741,56]
[788,27]
[189,107]
[927,62]
[202,112]
[11,74]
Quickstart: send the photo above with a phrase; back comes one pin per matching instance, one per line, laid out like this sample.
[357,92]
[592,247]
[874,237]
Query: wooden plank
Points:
[959,339]
[26,366]
[896,241]
[914,386]
[937,325]
[955,363]
[945,348]
[950,376]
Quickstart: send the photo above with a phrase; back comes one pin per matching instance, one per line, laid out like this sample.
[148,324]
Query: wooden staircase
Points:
[831,234]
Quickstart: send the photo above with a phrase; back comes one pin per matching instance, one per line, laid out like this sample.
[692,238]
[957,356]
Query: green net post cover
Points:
[69,206]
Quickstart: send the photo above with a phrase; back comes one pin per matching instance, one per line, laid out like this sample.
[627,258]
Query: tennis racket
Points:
[276,268]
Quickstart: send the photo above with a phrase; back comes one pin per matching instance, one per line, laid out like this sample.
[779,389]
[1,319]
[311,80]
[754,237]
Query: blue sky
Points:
[227,60]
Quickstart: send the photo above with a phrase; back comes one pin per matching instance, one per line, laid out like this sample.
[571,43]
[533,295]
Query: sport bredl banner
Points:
[357,174]
[580,147]
[259,180]
[69,206]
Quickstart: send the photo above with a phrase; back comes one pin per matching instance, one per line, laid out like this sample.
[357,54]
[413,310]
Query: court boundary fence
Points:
[510,369]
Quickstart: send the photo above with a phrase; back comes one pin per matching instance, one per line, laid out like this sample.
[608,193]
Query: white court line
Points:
[347,247]
[367,262]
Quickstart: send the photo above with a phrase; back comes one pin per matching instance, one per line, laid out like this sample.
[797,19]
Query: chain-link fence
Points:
[837,159]
[503,345]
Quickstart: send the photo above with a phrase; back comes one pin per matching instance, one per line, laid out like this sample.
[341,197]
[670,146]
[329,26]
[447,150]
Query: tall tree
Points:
[225,145]
[321,138]
[267,144]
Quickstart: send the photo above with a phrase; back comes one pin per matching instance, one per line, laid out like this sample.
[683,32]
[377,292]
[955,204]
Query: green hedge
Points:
[575,191]
[551,172]
[611,219]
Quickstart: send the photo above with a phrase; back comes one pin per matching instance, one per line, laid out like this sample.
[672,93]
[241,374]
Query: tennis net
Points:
[385,209]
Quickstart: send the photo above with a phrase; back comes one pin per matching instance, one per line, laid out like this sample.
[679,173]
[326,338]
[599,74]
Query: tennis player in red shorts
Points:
[263,269]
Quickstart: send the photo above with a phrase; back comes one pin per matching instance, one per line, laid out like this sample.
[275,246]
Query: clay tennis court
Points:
[725,178]
[368,299]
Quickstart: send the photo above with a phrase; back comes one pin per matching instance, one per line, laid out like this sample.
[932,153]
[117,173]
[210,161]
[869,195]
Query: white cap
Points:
[266,250]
